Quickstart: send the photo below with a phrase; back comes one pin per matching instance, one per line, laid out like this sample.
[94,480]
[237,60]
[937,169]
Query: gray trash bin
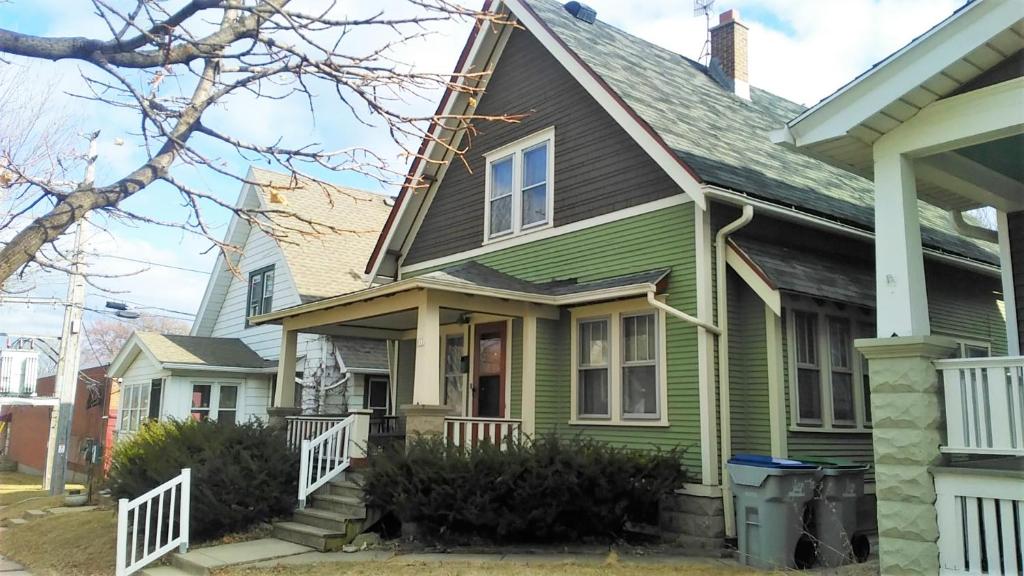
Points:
[770,496]
[835,509]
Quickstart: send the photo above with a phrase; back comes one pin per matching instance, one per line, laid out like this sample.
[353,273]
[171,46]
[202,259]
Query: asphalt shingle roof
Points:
[810,272]
[476,274]
[362,353]
[201,350]
[331,262]
[723,137]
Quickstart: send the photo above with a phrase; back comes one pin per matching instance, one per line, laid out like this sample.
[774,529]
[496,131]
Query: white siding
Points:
[141,372]
[253,394]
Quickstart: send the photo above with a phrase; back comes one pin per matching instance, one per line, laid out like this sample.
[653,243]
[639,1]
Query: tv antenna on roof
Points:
[705,8]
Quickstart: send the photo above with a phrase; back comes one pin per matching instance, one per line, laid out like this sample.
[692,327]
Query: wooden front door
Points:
[490,347]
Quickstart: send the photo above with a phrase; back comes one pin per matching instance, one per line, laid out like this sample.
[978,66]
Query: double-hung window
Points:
[830,386]
[134,406]
[518,186]
[619,371]
[261,292]
[593,374]
[215,400]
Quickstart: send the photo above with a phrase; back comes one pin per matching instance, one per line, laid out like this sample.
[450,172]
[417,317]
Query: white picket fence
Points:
[984,405]
[157,539]
[978,533]
[467,432]
[324,457]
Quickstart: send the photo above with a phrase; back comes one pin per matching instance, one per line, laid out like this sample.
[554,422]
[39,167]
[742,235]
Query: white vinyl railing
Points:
[308,427]
[137,518]
[468,432]
[976,511]
[984,405]
[324,457]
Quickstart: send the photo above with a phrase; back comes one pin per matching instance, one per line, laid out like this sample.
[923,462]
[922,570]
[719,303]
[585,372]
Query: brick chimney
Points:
[729,54]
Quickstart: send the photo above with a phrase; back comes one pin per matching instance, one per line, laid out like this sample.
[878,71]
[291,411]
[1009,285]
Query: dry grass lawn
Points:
[21,492]
[72,544]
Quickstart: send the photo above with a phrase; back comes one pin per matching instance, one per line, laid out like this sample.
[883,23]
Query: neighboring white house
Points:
[226,368]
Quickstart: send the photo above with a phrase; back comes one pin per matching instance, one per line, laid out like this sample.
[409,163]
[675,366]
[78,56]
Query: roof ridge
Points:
[342,187]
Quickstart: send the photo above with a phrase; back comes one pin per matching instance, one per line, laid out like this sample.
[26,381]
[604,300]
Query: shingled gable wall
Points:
[598,167]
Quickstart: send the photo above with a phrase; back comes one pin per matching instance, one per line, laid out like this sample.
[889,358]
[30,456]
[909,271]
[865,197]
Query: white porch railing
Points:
[172,499]
[324,457]
[467,432]
[984,405]
[308,427]
[976,510]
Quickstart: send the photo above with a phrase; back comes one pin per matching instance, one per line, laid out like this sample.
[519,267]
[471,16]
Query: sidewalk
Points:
[11,568]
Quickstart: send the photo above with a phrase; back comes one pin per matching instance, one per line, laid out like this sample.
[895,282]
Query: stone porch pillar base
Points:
[906,410]
[424,419]
[276,416]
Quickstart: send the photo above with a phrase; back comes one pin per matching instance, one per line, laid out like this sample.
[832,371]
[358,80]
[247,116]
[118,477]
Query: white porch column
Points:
[899,263]
[284,396]
[529,408]
[426,387]
[1009,293]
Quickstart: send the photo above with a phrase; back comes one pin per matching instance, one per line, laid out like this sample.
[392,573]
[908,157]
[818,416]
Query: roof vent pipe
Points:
[581,11]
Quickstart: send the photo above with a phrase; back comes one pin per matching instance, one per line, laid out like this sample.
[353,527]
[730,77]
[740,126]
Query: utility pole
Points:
[67,363]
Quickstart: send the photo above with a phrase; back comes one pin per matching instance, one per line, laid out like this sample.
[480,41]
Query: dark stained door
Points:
[489,370]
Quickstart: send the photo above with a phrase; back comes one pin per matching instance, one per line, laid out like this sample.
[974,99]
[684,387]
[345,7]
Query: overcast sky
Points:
[800,49]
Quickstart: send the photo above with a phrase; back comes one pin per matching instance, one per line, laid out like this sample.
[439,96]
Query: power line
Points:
[149,262]
[141,305]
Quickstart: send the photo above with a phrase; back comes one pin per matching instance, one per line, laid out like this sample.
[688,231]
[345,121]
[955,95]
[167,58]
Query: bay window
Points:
[829,381]
[518,186]
[619,368]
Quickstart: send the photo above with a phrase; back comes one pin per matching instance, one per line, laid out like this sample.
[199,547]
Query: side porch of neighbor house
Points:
[948,433]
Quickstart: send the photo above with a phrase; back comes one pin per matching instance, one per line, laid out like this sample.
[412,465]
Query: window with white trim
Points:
[593,369]
[518,186]
[214,400]
[261,292]
[619,367]
[378,390]
[134,406]
[829,381]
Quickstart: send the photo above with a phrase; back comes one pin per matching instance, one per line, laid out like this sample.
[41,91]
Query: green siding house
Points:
[636,261]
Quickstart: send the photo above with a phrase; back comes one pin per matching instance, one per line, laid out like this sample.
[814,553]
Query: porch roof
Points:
[477,279]
[804,271]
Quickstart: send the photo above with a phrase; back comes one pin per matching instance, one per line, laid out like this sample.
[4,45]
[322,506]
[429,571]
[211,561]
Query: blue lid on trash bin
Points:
[764,461]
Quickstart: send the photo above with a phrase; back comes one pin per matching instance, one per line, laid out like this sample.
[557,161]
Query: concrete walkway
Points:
[11,568]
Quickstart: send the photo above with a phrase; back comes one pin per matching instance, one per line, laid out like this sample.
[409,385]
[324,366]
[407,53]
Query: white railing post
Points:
[186,503]
[303,473]
[359,440]
[122,536]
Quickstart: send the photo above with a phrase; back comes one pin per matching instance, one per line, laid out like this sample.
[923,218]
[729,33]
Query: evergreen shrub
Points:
[241,474]
[549,488]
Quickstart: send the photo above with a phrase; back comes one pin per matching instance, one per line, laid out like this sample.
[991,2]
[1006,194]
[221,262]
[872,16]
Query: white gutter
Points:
[724,408]
[972,230]
[204,368]
[681,315]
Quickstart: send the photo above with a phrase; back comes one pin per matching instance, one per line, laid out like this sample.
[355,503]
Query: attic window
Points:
[518,186]
[261,292]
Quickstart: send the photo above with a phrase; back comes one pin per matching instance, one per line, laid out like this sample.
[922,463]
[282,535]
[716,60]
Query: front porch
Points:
[461,345]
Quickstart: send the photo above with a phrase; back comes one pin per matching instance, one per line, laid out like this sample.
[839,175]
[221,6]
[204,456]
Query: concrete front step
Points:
[347,505]
[203,561]
[315,537]
[326,519]
[163,571]
[345,488]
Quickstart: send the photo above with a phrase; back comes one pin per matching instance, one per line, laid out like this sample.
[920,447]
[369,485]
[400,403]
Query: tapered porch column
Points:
[899,264]
[426,413]
[427,383]
[284,393]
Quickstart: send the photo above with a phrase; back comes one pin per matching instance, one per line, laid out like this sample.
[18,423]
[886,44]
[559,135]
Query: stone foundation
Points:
[694,522]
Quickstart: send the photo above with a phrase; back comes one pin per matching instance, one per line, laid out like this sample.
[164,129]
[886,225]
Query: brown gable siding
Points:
[598,167]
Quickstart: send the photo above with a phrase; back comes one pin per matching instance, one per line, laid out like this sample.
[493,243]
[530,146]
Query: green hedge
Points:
[241,474]
[549,488]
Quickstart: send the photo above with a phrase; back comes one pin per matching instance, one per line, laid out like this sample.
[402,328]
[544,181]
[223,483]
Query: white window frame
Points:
[515,150]
[133,406]
[963,343]
[213,412]
[370,379]
[615,312]
[825,310]
[607,367]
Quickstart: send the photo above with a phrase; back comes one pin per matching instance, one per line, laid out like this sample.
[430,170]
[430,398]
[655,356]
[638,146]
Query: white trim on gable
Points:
[126,357]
